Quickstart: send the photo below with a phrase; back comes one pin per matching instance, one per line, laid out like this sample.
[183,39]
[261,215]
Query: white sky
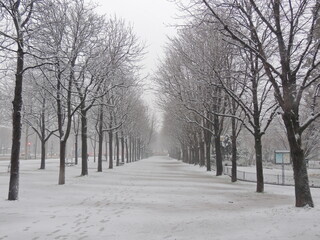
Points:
[151,20]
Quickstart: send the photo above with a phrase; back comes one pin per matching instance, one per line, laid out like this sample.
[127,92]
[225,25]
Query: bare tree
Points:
[292,66]
[39,112]
[16,17]
[64,38]
[76,126]
[89,80]
[122,51]
[187,75]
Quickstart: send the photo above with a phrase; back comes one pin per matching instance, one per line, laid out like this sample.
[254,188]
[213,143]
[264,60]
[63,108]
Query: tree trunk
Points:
[301,179]
[197,154]
[76,121]
[16,126]
[195,150]
[208,154]
[134,150]
[202,161]
[117,150]
[130,148]
[62,168]
[43,154]
[259,167]
[254,67]
[94,148]
[43,133]
[192,155]
[122,148]
[183,153]
[100,140]
[127,150]
[233,150]
[217,145]
[110,149]
[84,144]
[76,149]
[207,139]
[106,146]
[139,149]
[76,134]
[100,143]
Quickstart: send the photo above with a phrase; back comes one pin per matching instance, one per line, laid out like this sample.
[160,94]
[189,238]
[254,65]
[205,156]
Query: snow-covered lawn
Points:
[155,198]
[274,174]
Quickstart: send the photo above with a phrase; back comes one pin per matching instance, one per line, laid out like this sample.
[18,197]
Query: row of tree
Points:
[239,64]
[75,70]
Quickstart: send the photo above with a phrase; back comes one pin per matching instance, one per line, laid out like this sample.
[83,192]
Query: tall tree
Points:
[16,16]
[64,44]
[291,68]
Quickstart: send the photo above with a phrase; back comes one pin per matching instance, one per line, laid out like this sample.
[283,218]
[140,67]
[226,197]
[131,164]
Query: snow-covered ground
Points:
[155,198]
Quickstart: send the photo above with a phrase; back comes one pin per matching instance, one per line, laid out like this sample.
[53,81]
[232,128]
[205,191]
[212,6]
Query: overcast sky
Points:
[151,20]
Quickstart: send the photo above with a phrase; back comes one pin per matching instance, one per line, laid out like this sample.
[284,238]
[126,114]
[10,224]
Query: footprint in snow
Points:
[54,232]
[26,229]
[84,237]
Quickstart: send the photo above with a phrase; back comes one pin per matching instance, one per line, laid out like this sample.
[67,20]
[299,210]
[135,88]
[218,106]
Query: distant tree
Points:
[122,51]
[187,76]
[76,128]
[39,112]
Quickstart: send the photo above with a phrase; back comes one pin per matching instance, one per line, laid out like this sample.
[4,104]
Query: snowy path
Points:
[156,198]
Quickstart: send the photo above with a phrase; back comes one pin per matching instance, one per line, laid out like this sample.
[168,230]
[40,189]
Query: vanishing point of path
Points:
[155,198]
